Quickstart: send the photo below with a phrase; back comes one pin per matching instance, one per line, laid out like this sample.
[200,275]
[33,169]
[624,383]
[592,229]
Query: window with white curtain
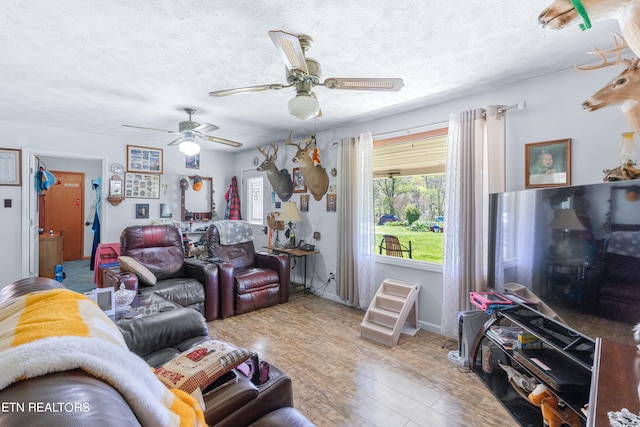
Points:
[409,188]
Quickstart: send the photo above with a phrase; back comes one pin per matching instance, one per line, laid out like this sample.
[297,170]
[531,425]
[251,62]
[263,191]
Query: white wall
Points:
[553,112]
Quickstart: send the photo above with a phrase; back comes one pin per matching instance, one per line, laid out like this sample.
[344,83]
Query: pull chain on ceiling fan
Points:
[191,130]
[303,73]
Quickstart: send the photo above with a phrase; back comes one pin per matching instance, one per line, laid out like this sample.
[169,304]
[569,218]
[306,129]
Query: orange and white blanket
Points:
[59,330]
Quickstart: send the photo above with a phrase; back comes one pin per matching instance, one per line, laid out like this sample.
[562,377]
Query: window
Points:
[408,191]
[254,200]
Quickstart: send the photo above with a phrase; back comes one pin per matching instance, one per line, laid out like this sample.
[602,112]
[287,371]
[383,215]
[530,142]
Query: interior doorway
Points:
[61,207]
[93,168]
[255,195]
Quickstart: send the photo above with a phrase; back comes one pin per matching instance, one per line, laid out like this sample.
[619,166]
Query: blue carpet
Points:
[78,276]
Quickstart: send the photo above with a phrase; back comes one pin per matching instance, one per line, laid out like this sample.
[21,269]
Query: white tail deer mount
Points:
[315,176]
[562,13]
[624,90]
[280,179]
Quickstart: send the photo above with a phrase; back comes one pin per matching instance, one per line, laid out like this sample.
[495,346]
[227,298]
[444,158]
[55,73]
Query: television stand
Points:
[564,363]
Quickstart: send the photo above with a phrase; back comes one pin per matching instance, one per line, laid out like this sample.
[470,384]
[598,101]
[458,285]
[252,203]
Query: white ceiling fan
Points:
[191,130]
[303,73]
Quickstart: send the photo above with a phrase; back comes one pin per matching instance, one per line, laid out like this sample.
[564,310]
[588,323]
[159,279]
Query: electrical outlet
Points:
[332,276]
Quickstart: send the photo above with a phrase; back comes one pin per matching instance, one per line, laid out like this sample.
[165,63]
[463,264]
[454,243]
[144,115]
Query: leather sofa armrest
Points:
[165,329]
[87,401]
[227,291]
[274,394]
[279,263]
[223,403]
[207,274]
[26,286]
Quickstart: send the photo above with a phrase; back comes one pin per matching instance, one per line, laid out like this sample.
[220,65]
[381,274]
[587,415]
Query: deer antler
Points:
[620,45]
[289,142]
[265,154]
[275,150]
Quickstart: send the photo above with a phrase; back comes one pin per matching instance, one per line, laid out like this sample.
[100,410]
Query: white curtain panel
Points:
[475,167]
[355,271]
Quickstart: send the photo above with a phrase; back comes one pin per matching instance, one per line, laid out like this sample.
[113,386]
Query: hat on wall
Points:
[197,183]
[184,182]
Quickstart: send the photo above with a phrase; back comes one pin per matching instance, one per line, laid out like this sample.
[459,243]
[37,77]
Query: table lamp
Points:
[566,220]
[289,215]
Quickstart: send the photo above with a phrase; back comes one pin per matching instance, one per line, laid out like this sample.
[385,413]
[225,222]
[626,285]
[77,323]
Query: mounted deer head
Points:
[315,176]
[280,179]
[624,90]
[562,13]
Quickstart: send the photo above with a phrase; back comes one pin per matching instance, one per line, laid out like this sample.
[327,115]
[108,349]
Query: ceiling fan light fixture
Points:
[304,106]
[189,148]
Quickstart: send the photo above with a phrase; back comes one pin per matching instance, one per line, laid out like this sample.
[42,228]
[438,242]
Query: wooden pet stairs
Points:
[394,304]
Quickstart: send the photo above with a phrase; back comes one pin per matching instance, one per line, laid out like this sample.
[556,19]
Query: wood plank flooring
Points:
[341,379]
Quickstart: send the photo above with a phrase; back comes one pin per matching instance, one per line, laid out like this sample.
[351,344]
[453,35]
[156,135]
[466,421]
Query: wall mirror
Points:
[198,205]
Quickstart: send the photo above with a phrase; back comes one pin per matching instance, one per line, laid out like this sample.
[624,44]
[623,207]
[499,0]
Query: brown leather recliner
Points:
[249,280]
[189,283]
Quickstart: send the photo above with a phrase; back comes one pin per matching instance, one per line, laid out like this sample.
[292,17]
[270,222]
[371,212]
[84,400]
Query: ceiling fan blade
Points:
[222,140]
[390,85]
[207,127]
[161,130]
[176,141]
[290,50]
[225,92]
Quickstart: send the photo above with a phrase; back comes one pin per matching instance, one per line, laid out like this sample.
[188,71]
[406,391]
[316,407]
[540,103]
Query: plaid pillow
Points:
[201,365]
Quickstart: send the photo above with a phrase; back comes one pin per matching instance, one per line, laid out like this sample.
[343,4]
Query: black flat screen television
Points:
[562,243]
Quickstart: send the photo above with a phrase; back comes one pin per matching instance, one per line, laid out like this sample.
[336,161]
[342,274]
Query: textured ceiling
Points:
[95,65]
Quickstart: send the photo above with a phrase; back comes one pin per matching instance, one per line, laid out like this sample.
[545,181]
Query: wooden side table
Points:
[49,254]
[295,253]
[614,383]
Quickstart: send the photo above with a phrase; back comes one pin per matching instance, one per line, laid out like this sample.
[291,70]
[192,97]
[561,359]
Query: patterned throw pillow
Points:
[144,275]
[201,365]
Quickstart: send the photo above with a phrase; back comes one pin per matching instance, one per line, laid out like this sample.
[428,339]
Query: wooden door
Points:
[64,212]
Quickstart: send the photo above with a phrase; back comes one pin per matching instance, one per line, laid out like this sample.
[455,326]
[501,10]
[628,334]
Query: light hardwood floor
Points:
[340,379]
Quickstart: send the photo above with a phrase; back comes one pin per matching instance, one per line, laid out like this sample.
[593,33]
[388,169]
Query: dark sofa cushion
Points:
[250,279]
[169,329]
[182,291]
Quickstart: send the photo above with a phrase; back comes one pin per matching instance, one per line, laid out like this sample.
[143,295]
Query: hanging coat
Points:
[233,202]
[96,183]
[44,179]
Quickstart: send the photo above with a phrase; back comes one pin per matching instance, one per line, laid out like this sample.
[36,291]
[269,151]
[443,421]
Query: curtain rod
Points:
[520,105]
[409,130]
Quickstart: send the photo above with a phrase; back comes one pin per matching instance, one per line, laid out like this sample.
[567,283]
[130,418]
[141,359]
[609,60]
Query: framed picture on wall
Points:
[192,162]
[10,166]
[144,159]
[331,202]
[142,210]
[547,164]
[299,185]
[304,203]
[165,210]
[141,185]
